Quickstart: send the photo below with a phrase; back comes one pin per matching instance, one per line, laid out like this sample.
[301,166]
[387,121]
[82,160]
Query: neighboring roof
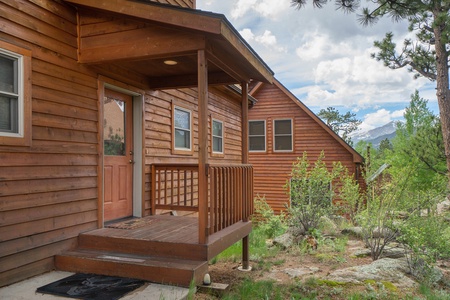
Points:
[378,172]
[223,40]
[357,158]
[251,100]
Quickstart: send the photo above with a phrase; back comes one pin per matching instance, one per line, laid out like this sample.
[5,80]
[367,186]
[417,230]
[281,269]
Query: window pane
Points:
[182,119]
[283,143]
[9,115]
[256,128]
[217,128]
[282,126]
[257,143]
[182,139]
[217,144]
[114,127]
[8,74]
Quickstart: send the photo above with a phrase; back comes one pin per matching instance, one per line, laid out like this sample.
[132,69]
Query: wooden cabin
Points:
[112,113]
[282,128]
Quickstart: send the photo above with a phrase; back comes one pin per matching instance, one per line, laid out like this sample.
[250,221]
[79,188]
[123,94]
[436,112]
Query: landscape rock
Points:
[393,250]
[443,207]
[385,269]
[422,270]
[299,272]
[355,231]
[383,232]
[285,240]
[361,253]
[296,231]
[328,225]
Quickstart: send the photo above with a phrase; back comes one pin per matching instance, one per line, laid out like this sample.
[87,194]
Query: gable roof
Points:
[357,158]
[184,31]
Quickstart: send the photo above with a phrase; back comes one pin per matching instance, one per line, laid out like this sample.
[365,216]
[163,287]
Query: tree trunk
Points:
[442,84]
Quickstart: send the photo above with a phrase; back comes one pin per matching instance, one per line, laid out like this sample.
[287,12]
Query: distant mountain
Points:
[375,136]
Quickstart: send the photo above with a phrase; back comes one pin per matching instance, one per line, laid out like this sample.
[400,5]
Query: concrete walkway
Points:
[26,290]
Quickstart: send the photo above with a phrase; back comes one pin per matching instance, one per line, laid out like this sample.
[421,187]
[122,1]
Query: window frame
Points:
[177,150]
[213,152]
[275,135]
[23,57]
[265,136]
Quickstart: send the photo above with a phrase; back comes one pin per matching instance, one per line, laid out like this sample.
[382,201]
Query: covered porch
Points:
[157,47]
[167,248]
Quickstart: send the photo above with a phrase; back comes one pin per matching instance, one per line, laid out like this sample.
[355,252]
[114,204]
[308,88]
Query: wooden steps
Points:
[142,246]
[158,269]
[99,252]
[164,251]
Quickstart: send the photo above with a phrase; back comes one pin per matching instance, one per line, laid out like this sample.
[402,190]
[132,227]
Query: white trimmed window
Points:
[257,136]
[217,136]
[282,135]
[15,103]
[11,94]
[182,123]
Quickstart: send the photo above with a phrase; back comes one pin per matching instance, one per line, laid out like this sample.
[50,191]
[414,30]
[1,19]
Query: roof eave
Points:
[213,25]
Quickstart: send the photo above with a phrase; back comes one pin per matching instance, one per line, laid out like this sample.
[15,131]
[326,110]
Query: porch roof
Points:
[170,33]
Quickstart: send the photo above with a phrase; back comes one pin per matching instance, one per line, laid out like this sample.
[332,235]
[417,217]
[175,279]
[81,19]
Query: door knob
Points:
[131,161]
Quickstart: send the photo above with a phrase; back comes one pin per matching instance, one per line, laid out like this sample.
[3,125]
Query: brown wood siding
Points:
[48,191]
[272,169]
[158,129]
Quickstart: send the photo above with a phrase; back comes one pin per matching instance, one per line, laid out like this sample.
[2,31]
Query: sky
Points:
[323,57]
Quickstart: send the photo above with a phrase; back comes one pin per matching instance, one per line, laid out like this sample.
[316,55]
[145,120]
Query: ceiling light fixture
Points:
[170,62]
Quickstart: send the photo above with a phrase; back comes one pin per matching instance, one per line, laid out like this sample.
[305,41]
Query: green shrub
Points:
[266,220]
[311,192]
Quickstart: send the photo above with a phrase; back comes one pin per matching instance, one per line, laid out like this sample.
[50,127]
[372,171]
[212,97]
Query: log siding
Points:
[158,133]
[49,190]
[272,168]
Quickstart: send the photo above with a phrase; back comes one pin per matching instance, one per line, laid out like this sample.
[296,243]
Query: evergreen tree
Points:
[427,56]
[342,124]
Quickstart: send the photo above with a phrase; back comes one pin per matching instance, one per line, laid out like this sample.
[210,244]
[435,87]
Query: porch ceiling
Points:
[161,33]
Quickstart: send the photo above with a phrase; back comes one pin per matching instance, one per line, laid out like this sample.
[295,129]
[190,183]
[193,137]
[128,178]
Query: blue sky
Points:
[323,57]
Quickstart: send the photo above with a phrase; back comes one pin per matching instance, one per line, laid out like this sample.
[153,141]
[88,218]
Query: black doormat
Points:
[92,287]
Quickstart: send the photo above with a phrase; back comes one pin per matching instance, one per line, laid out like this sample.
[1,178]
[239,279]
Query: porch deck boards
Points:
[169,229]
[165,250]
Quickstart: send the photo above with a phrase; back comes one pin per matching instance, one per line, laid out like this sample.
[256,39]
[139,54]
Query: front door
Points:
[118,155]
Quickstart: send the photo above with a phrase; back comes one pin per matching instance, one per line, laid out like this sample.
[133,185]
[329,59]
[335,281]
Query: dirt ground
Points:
[319,262]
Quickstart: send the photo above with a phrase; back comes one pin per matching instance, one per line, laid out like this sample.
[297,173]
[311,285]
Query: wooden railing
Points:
[230,195]
[229,187]
[174,187]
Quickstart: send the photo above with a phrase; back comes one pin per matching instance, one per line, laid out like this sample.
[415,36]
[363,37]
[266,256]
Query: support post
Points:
[202,147]
[245,254]
[244,87]
[245,240]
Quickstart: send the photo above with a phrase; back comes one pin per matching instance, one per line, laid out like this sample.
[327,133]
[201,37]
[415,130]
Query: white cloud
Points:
[317,46]
[241,8]
[266,8]
[267,39]
[247,34]
[357,81]
[323,55]
[379,118]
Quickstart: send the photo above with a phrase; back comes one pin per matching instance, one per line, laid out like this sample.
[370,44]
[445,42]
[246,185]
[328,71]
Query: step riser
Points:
[159,274]
[184,251]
